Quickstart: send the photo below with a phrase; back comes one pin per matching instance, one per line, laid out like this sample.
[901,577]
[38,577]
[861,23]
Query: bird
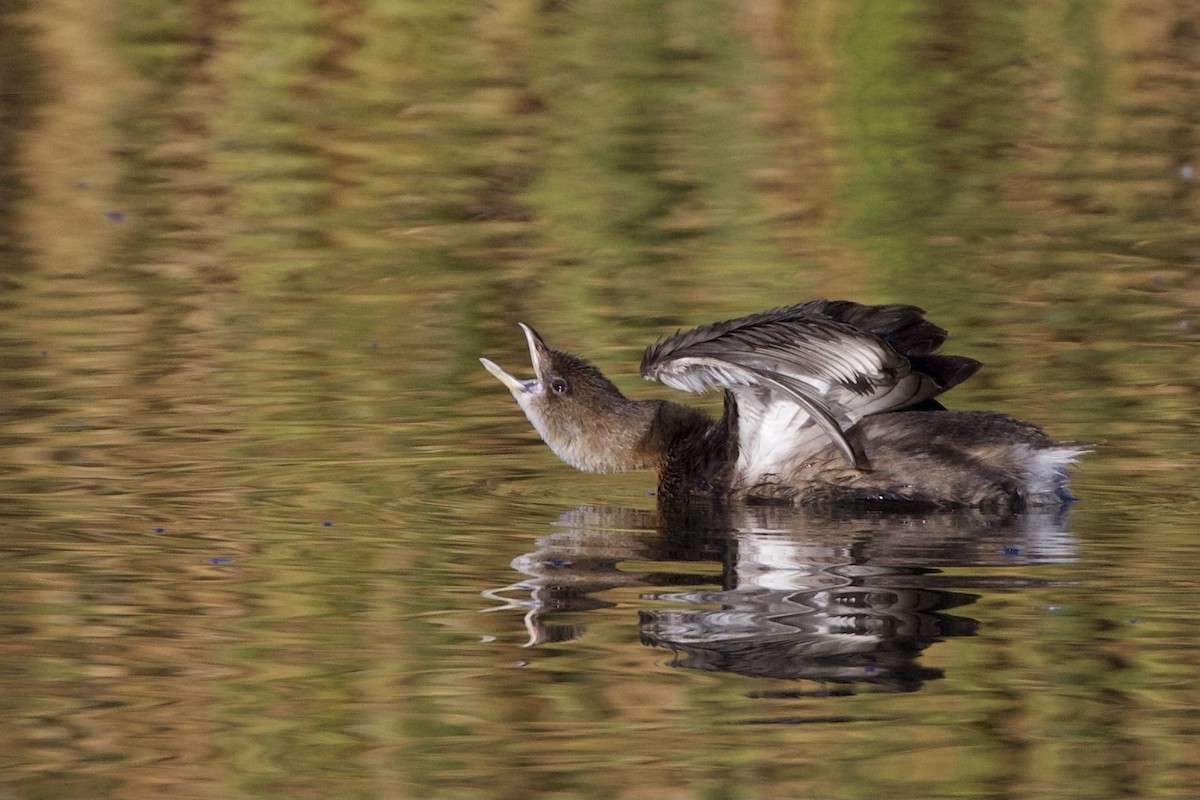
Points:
[826,403]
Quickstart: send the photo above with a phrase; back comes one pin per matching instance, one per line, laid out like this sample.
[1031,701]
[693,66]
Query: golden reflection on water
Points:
[255,485]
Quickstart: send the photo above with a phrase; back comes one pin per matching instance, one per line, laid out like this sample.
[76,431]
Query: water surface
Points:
[271,531]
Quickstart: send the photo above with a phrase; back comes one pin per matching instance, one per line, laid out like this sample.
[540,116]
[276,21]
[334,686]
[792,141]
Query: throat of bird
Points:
[615,438]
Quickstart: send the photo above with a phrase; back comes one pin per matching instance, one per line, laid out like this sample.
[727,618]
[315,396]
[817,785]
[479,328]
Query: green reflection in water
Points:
[936,105]
[323,213]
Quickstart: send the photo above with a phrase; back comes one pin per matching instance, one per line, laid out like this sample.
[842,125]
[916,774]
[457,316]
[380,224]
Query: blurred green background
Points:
[254,480]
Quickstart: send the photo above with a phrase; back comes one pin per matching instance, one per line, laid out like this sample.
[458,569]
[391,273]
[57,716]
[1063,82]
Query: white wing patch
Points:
[772,436]
[700,375]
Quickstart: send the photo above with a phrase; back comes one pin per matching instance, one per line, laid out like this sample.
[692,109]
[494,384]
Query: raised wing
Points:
[830,363]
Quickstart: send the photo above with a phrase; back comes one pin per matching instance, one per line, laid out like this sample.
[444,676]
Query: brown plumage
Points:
[825,402]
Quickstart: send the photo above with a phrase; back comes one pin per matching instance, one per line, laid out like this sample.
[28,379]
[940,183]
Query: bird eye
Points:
[559,386]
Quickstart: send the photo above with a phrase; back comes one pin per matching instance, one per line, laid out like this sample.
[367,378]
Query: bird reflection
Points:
[779,592]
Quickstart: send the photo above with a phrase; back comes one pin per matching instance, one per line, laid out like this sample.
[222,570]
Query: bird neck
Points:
[622,435]
[676,432]
[628,435]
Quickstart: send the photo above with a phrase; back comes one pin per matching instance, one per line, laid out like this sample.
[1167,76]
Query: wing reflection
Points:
[780,592]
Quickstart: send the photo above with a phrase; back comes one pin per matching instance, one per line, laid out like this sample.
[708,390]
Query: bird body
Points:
[825,402]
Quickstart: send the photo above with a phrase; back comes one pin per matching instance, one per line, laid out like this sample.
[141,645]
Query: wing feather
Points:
[838,361]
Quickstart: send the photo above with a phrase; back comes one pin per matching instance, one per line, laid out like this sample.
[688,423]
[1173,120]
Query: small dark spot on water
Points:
[558,562]
[374,345]
[792,694]
[43,353]
[814,720]
[220,560]
[158,530]
[326,524]
[115,216]
[1011,551]
[1131,622]
[82,185]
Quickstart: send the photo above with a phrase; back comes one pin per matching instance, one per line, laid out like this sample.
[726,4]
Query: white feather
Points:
[1047,469]
[772,436]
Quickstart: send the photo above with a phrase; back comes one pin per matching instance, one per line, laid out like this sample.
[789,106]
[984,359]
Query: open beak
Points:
[538,355]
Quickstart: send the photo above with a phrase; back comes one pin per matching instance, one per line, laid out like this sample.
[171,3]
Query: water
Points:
[271,531]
